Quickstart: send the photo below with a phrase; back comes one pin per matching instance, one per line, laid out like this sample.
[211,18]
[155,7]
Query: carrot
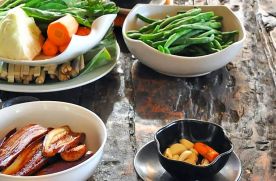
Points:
[62,48]
[83,31]
[49,48]
[61,30]
[206,151]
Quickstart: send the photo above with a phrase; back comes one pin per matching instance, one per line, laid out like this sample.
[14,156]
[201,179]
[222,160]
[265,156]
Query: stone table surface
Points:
[134,101]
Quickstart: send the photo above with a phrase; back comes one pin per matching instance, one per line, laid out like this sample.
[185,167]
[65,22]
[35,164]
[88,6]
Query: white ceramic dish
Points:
[55,114]
[59,86]
[177,65]
[78,44]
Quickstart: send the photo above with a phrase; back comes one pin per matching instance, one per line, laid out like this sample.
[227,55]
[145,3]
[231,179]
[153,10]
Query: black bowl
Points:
[195,131]
[130,3]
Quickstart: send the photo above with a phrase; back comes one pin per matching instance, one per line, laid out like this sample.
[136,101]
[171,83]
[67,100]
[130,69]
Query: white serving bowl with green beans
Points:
[183,41]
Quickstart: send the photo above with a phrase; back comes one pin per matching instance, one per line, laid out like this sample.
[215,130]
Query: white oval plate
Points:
[78,45]
[69,84]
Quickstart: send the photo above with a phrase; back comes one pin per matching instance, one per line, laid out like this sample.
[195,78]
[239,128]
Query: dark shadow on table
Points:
[163,97]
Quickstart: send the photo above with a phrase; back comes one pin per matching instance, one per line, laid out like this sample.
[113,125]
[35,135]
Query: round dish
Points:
[194,131]
[78,45]
[181,66]
[59,86]
[56,114]
[148,167]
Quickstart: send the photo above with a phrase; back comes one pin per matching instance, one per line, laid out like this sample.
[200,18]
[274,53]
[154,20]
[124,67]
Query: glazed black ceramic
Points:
[130,3]
[195,131]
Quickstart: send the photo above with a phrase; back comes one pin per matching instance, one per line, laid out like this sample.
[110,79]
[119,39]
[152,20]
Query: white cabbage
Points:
[20,38]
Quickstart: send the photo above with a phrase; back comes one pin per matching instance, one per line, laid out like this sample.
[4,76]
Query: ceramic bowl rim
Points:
[177,56]
[72,106]
[228,152]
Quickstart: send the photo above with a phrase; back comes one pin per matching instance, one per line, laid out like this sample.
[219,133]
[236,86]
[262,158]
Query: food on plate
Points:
[28,161]
[191,33]
[61,31]
[73,154]
[59,140]
[186,151]
[49,48]
[51,73]
[36,150]
[61,165]
[57,21]
[9,134]
[20,38]
[15,144]
[206,151]
[83,31]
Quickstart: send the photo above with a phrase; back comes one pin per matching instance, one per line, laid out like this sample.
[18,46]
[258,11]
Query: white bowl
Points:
[178,65]
[55,114]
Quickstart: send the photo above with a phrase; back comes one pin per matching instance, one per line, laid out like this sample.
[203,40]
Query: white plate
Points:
[78,45]
[59,86]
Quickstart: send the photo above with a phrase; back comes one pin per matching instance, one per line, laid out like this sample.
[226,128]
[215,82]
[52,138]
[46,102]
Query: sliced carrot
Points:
[62,48]
[206,151]
[83,31]
[61,30]
[49,48]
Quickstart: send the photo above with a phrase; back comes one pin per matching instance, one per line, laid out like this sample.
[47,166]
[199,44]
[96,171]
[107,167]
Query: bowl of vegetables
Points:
[51,39]
[43,33]
[183,41]
[47,140]
[193,149]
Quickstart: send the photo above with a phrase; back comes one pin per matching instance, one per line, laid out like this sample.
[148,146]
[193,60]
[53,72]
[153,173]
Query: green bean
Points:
[150,27]
[190,41]
[194,19]
[188,26]
[217,44]
[188,35]
[151,36]
[174,37]
[191,12]
[210,32]
[227,44]
[161,49]
[167,51]
[217,18]
[134,35]
[145,19]
[156,29]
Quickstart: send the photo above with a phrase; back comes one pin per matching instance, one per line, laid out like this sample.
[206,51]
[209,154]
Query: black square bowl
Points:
[195,131]
[130,3]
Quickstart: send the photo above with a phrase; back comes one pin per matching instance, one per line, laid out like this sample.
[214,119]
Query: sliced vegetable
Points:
[15,144]
[83,31]
[9,134]
[73,154]
[61,30]
[206,151]
[28,161]
[59,140]
[49,48]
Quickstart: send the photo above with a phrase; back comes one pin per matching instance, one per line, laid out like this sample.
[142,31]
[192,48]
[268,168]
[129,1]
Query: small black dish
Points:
[148,167]
[130,3]
[195,131]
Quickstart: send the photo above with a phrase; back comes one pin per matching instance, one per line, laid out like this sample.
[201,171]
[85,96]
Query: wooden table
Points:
[135,101]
